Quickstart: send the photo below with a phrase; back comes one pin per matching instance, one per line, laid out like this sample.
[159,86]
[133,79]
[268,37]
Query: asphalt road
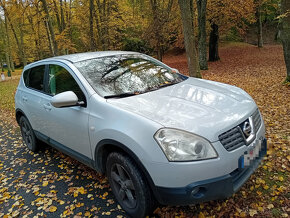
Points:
[49,183]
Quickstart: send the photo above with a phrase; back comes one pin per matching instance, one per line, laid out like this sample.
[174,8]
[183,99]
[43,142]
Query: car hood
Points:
[203,107]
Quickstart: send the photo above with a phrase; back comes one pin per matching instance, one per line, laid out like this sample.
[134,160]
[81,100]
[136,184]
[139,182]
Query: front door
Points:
[68,127]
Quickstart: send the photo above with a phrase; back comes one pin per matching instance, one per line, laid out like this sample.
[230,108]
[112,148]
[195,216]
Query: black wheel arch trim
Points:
[99,162]
[19,111]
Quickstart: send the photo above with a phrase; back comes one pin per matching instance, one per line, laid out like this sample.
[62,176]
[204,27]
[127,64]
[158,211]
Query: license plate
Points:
[251,154]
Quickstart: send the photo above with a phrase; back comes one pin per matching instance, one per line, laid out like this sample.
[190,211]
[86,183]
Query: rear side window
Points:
[33,78]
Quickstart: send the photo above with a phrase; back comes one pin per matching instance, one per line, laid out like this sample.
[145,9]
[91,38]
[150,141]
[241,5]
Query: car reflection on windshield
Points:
[127,75]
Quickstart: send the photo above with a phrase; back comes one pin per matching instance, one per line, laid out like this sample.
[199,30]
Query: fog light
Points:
[195,191]
[198,192]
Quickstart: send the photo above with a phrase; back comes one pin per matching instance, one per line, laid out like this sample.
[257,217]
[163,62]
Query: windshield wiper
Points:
[122,95]
[161,86]
[128,94]
[167,84]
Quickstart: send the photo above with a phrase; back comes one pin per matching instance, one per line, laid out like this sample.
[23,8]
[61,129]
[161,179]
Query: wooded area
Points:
[31,30]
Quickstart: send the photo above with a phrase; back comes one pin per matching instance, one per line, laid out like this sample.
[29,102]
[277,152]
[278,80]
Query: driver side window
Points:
[60,80]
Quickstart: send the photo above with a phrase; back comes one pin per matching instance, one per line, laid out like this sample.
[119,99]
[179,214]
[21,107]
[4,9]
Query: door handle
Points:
[24,98]
[47,107]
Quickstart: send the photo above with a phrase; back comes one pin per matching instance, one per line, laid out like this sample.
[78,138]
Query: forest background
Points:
[31,30]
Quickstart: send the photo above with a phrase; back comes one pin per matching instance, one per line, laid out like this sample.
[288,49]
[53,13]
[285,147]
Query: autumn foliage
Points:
[29,32]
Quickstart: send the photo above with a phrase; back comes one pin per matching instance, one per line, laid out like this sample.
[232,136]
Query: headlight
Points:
[178,145]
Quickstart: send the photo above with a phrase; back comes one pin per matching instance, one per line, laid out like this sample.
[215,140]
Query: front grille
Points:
[234,138]
[256,120]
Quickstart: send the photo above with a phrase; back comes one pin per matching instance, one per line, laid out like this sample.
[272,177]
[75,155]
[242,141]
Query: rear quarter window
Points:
[34,77]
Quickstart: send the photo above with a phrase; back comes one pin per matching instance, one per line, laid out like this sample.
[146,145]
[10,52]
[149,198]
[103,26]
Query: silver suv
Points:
[158,135]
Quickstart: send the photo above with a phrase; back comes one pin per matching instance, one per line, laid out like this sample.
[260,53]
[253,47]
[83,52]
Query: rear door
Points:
[32,98]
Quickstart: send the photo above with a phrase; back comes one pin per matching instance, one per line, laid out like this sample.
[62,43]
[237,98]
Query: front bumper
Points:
[211,189]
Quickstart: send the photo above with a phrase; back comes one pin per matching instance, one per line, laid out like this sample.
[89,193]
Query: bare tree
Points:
[187,15]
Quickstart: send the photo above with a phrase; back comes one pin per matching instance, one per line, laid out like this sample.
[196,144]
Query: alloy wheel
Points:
[26,134]
[123,186]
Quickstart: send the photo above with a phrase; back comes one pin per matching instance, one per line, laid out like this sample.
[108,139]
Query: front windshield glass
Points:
[120,74]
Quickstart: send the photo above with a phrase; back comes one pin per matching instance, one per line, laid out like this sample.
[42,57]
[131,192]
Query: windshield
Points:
[123,74]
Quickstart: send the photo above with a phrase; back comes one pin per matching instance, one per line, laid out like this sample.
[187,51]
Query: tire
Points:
[28,135]
[129,186]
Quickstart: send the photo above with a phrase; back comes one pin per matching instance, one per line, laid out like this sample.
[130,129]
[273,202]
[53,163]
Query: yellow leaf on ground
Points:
[45,183]
[266,187]
[81,190]
[252,212]
[242,214]
[52,209]
[261,209]
[201,215]
[87,213]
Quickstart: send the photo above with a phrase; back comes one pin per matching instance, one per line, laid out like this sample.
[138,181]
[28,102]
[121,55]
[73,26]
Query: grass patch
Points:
[7,92]
[276,212]
[17,72]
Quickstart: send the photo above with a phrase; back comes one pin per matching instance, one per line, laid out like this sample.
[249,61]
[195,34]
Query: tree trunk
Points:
[101,22]
[214,43]
[37,46]
[8,48]
[285,34]
[91,21]
[19,44]
[57,16]
[22,46]
[50,27]
[157,29]
[12,65]
[201,8]
[69,19]
[260,26]
[8,61]
[189,37]
[62,16]
[49,38]
[21,52]
[38,35]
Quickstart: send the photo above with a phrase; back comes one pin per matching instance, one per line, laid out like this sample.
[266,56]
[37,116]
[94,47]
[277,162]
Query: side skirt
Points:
[76,155]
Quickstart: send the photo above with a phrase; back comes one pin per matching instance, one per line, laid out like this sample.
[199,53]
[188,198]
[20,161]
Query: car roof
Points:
[73,58]
[89,55]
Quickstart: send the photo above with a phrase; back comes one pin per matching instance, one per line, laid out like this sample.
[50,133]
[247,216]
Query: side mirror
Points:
[64,99]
